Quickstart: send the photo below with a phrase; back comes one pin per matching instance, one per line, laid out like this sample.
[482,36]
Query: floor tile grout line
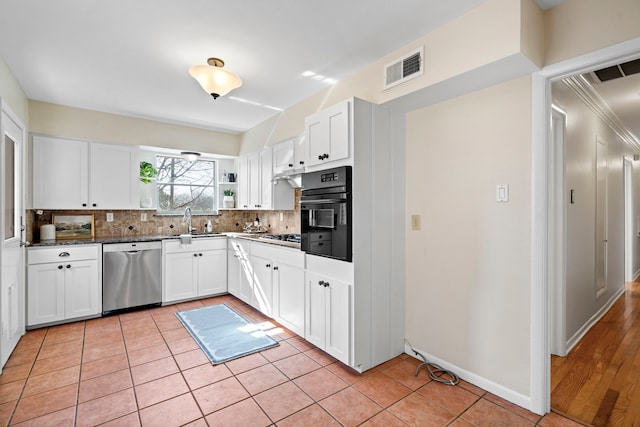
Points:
[26,380]
[126,353]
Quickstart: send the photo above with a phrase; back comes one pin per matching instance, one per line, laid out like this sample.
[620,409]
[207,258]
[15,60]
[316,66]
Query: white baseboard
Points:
[575,339]
[636,274]
[475,379]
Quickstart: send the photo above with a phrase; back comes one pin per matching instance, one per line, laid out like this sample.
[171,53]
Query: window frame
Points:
[214,186]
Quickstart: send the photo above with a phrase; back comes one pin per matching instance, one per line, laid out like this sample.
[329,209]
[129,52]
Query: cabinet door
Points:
[316,311]
[299,152]
[60,173]
[180,281]
[327,134]
[243,183]
[45,293]
[262,298]
[338,325]
[253,166]
[240,271]
[113,176]
[283,157]
[212,272]
[288,295]
[266,175]
[82,290]
[233,273]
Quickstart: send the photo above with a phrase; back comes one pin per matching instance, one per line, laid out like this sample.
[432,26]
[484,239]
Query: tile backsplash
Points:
[127,223]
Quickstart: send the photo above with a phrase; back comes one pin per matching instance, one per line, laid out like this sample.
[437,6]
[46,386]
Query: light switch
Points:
[415,222]
[109,216]
[502,193]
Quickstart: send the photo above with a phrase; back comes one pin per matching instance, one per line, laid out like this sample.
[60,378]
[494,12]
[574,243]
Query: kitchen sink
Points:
[194,234]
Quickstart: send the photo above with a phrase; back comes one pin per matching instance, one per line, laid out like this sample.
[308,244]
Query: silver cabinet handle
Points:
[64,254]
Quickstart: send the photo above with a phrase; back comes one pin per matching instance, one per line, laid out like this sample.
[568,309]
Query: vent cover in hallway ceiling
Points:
[616,71]
[405,68]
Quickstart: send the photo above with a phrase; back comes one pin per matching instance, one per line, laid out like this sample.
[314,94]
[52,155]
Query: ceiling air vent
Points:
[405,68]
[617,71]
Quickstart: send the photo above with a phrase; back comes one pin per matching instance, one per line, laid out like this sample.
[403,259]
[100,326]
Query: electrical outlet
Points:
[143,216]
[415,222]
[281,216]
[109,216]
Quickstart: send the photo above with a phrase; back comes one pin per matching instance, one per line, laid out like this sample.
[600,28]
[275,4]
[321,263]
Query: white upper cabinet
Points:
[114,172]
[60,173]
[289,155]
[283,157]
[327,135]
[74,174]
[256,187]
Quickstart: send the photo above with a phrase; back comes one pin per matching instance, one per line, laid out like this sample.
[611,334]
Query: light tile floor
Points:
[143,368]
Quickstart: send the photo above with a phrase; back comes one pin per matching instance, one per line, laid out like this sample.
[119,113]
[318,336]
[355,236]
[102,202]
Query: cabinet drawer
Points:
[197,244]
[278,254]
[63,253]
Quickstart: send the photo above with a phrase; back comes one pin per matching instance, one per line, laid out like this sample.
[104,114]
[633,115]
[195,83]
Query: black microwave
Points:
[325,213]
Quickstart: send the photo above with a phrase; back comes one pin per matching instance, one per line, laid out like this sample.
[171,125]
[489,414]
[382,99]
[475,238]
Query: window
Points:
[182,183]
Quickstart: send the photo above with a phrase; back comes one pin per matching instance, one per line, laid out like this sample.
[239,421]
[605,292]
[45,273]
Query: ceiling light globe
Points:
[215,80]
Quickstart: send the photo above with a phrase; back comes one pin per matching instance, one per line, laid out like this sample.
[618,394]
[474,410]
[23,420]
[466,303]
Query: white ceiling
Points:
[132,57]
[623,96]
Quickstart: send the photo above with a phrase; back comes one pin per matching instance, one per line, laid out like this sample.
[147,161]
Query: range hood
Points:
[294,177]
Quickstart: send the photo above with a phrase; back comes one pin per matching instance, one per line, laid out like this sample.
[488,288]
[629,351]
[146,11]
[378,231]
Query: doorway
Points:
[12,254]
[547,276]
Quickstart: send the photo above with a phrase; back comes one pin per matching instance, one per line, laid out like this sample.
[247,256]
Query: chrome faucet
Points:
[187,218]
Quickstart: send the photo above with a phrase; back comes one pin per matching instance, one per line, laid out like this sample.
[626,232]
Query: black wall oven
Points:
[325,213]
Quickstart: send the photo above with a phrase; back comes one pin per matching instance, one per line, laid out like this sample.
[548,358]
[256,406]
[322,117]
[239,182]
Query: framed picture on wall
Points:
[74,226]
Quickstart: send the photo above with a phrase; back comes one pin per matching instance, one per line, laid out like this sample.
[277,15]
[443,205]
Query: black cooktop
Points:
[294,238]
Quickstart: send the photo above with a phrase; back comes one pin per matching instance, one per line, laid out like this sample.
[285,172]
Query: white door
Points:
[262,285]
[180,276]
[46,293]
[60,173]
[288,297]
[12,261]
[629,235]
[338,320]
[82,292]
[601,217]
[212,272]
[315,310]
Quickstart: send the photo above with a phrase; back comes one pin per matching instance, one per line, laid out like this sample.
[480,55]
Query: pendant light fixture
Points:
[190,156]
[215,80]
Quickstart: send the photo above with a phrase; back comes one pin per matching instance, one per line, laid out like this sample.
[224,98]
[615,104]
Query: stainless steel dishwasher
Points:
[131,275]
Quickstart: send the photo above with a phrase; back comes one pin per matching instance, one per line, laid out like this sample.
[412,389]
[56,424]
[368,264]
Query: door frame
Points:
[17,133]
[544,244]
[629,232]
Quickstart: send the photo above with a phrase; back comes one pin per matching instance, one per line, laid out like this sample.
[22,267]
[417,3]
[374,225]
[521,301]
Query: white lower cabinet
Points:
[262,296]
[64,282]
[194,270]
[328,313]
[279,284]
[240,273]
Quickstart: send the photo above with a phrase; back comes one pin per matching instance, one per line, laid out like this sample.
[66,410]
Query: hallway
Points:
[596,383]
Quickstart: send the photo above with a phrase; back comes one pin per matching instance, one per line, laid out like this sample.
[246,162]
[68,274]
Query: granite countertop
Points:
[151,238]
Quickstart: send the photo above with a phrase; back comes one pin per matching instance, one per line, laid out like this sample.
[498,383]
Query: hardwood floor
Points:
[598,382]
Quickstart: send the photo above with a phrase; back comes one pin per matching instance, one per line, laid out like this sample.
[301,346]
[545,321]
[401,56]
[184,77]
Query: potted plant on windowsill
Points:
[147,174]
[228,201]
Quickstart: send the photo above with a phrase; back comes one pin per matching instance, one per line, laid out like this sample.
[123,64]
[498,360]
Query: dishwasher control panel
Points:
[134,246]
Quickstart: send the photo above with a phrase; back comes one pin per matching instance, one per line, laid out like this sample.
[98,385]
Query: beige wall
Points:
[577,27]
[12,94]
[468,267]
[58,120]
